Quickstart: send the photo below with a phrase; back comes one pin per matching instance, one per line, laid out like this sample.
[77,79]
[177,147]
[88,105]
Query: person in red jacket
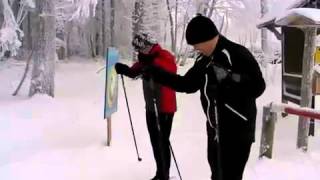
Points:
[150,52]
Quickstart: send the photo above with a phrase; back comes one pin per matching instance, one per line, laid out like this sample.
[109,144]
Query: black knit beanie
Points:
[200,29]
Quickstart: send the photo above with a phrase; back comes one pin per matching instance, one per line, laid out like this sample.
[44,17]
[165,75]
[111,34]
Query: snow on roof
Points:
[266,20]
[299,17]
[298,4]
[277,10]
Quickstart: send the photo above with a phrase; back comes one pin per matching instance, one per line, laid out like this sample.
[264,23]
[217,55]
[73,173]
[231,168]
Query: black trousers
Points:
[160,142]
[234,154]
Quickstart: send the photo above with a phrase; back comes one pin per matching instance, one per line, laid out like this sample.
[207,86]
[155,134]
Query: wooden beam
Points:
[306,84]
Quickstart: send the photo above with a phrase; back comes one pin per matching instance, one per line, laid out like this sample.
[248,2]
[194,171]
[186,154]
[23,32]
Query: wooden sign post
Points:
[111,89]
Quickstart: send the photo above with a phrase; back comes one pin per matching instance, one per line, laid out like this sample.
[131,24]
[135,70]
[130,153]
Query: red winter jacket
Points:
[165,96]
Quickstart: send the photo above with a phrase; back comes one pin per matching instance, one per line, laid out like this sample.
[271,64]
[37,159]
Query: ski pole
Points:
[159,133]
[175,161]
[159,130]
[134,137]
[219,169]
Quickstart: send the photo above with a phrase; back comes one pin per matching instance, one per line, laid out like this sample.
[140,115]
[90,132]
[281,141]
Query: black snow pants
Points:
[234,155]
[163,163]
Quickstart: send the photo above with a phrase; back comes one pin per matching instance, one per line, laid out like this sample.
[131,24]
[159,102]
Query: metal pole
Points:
[134,136]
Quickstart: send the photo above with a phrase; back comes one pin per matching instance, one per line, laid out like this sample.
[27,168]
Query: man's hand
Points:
[220,73]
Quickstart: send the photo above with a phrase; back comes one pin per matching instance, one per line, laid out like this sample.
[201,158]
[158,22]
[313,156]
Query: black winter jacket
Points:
[235,101]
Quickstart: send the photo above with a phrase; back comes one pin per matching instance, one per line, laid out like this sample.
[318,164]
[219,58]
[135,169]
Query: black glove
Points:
[122,68]
[146,58]
[222,74]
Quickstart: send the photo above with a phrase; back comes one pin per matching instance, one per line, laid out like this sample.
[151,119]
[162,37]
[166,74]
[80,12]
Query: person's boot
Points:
[156,177]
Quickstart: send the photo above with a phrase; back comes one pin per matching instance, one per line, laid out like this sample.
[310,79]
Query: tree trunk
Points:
[1,20]
[155,17]
[306,90]
[27,38]
[185,21]
[173,43]
[264,31]
[99,31]
[185,56]
[15,7]
[226,26]
[90,32]
[26,70]
[42,80]
[137,17]
[68,32]
[201,7]
[103,28]
[175,27]
[112,20]
[165,32]
[211,8]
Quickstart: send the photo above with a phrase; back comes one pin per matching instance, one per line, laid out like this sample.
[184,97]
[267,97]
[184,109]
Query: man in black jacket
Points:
[230,80]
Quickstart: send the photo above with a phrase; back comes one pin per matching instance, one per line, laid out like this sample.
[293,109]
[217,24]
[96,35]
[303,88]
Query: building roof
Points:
[270,18]
[299,17]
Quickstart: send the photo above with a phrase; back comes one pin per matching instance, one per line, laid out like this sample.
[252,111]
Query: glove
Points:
[122,68]
[146,58]
[220,73]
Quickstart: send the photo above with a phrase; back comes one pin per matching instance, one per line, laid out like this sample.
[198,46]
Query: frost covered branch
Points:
[84,7]
[10,33]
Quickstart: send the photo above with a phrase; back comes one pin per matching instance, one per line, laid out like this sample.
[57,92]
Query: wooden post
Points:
[108,131]
[312,123]
[306,84]
[268,125]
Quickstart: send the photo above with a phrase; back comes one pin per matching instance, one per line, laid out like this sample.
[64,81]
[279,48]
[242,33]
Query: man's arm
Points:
[189,83]
[131,72]
[249,82]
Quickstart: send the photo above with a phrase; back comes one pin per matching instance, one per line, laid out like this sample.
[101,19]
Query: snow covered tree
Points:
[101,36]
[44,33]
[64,11]
[264,31]
[112,21]
[173,24]
[137,17]
[10,32]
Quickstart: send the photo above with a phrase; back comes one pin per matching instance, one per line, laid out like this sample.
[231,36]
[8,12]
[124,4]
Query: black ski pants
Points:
[160,142]
[234,154]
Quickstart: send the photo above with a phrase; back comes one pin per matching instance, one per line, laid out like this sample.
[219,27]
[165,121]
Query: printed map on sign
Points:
[111,88]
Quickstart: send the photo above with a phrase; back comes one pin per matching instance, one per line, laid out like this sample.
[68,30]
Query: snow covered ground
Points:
[64,138]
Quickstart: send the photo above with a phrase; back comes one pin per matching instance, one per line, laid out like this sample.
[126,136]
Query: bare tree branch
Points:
[24,74]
